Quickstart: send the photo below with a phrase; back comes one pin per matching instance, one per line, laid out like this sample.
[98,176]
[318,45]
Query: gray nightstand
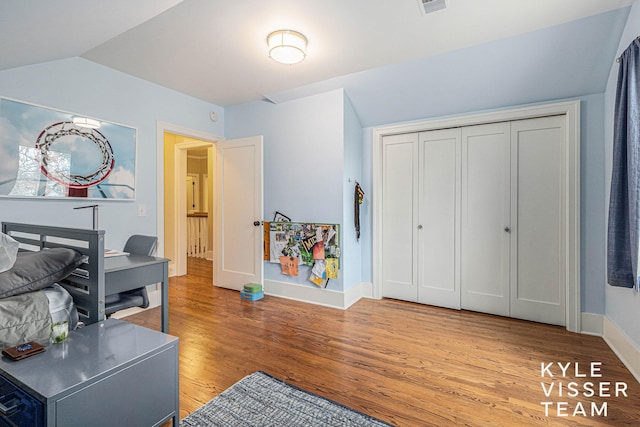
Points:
[110,373]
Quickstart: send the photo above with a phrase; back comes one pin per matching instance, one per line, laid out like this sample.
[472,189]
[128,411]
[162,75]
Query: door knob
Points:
[507,229]
[256,223]
[420,227]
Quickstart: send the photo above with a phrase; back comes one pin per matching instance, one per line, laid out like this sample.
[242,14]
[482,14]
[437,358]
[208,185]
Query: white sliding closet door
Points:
[399,216]
[486,218]
[538,270]
[439,219]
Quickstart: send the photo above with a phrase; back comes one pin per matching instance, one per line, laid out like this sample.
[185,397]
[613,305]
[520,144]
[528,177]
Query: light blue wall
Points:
[83,87]
[352,250]
[622,305]
[303,162]
[592,236]
[366,215]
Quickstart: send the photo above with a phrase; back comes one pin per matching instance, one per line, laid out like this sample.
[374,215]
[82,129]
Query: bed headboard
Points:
[86,283]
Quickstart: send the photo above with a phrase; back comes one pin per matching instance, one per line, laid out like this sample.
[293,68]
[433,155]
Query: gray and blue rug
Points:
[262,400]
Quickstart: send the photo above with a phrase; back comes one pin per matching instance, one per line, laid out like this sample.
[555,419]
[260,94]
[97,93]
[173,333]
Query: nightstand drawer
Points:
[18,408]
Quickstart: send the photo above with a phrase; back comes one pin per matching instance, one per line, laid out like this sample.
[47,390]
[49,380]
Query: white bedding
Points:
[29,316]
[24,318]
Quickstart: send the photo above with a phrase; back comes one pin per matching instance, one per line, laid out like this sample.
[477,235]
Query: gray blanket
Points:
[24,318]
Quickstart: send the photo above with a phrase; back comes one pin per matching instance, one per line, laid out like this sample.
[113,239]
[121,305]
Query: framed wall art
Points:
[49,153]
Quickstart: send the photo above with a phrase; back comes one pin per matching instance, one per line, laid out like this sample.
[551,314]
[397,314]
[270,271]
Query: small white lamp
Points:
[287,46]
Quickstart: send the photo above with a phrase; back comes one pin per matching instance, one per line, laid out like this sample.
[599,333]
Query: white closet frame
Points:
[571,111]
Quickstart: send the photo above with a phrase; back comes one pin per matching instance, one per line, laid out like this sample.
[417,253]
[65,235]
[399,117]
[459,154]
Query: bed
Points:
[54,264]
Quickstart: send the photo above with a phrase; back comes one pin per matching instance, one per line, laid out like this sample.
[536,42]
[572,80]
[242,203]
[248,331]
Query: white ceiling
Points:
[215,50]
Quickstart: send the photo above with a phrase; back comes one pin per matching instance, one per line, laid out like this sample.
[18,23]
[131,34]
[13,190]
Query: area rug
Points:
[262,400]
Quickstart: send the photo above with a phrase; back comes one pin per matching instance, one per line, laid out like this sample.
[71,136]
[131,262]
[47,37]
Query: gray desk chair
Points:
[137,244]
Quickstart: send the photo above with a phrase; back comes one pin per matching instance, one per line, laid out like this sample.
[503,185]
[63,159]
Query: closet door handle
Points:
[507,229]
[420,227]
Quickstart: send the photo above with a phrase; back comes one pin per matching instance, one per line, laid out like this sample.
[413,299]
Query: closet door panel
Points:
[438,234]
[485,218]
[538,269]
[399,216]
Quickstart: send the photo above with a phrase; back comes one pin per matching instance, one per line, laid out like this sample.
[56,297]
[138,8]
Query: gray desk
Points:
[110,373]
[126,272]
[97,276]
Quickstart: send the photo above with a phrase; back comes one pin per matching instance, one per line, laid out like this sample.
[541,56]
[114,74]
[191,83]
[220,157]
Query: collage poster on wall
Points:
[293,244]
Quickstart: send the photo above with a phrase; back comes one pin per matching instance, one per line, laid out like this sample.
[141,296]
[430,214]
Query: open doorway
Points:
[234,168]
[188,202]
[199,192]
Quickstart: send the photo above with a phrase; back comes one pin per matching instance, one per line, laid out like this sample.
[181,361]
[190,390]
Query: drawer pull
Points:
[13,404]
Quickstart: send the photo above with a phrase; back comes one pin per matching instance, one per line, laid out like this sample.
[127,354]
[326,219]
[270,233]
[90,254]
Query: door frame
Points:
[208,139]
[571,111]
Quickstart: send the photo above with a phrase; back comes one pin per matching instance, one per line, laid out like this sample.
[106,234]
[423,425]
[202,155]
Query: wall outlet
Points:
[142,210]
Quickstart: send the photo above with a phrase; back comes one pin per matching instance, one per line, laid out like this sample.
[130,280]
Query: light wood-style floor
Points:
[405,363]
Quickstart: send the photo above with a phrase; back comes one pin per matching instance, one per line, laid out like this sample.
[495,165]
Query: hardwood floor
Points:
[405,363]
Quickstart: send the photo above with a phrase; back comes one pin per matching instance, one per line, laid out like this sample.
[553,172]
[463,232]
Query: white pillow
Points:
[8,252]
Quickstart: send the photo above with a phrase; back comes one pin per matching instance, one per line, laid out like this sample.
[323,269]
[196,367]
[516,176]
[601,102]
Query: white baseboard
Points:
[623,347]
[318,296]
[367,289]
[618,342]
[592,324]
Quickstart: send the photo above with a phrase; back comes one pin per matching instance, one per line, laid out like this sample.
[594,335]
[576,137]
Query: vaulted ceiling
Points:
[215,50]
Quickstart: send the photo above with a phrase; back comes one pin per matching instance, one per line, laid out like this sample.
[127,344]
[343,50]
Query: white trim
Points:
[353,295]
[163,127]
[310,295]
[623,347]
[172,270]
[571,109]
[179,226]
[367,289]
[592,324]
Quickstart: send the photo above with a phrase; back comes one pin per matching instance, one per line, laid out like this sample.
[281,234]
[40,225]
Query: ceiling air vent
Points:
[428,6]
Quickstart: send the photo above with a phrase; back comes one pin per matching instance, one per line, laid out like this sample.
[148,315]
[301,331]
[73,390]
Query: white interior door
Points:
[485,218]
[239,235]
[538,225]
[439,222]
[399,216]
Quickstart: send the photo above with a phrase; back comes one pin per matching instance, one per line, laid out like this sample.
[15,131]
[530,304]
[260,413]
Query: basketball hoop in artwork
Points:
[63,175]
[56,154]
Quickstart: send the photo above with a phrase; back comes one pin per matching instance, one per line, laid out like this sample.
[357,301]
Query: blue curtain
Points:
[624,209]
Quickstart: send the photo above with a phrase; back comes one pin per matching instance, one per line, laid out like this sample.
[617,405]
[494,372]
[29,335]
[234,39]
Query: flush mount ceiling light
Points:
[287,46]
[428,6]
[85,122]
